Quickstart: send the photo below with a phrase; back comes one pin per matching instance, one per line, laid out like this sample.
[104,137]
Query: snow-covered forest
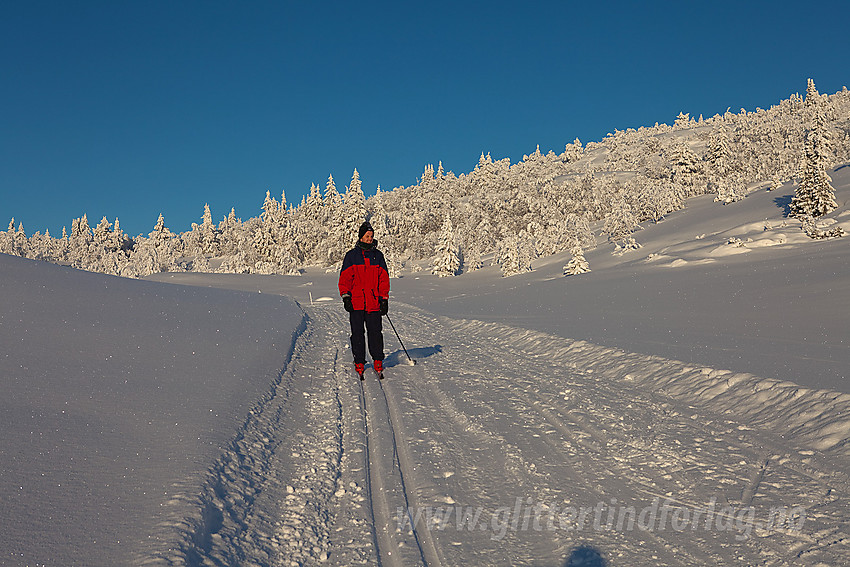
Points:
[499,212]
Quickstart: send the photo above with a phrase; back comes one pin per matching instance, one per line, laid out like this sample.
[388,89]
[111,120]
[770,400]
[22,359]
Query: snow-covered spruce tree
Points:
[656,198]
[472,259]
[815,195]
[56,247]
[79,243]
[813,97]
[236,263]
[260,255]
[512,256]
[201,264]
[21,241]
[619,225]
[107,249]
[344,215]
[336,220]
[446,260]
[286,254]
[686,169]
[309,226]
[14,241]
[355,205]
[578,232]
[578,264]
[40,247]
[208,235]
[230,233]
[62,247]
[731,189]
[7,239]
[155,253]
[573,151]
[332,198]
[379,219]
[273,249]
[719,162]
[202,239]
[121,245]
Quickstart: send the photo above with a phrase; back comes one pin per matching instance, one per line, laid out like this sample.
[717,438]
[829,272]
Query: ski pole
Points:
[399,339]
[387,315]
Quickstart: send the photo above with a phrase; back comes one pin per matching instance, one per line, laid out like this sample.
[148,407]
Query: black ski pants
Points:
[372,323]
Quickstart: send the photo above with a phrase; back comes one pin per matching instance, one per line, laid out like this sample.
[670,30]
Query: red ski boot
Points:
[360,367]
[378,365]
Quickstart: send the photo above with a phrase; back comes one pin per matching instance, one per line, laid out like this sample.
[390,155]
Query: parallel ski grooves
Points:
[379,544]
[430,554]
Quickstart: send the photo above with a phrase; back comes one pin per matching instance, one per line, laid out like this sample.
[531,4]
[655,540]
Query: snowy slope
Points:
[773,302]
[117,397]
[679,405]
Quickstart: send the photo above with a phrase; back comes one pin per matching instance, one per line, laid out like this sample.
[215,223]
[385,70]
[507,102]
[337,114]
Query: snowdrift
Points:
[118,396]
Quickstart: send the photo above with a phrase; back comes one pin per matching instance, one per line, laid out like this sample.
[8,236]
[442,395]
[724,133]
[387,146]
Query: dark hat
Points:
[364,228]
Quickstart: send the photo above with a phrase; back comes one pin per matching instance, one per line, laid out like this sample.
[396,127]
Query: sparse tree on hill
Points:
[578,264]
[815,195]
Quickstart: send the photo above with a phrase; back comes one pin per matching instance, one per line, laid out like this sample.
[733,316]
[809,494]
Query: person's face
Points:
[368,237]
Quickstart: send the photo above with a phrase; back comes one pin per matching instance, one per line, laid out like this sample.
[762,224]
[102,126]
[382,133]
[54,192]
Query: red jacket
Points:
[364,275]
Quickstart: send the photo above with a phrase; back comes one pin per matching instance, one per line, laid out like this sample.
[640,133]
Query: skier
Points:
[364,284]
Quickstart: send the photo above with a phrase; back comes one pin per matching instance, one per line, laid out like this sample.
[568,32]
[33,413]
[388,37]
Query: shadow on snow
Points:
[585,556]
[399,358]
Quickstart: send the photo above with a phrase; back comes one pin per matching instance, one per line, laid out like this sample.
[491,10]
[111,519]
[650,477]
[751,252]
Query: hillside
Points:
[511,213]
[736,286]
[685,402]
[180,425]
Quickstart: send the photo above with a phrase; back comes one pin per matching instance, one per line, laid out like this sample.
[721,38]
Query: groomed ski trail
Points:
[477,454]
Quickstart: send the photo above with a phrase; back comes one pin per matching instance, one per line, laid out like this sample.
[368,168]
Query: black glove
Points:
[385,305]
[346,302]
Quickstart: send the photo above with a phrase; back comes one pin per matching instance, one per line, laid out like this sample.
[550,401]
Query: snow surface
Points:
[117,396]
[704,373]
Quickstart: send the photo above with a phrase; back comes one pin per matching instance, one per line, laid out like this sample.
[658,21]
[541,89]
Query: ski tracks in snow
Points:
[508,446]
[316,474]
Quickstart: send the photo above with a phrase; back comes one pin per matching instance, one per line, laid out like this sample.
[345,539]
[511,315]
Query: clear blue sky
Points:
[129,109]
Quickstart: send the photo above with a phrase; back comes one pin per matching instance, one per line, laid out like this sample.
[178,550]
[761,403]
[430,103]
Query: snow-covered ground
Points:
[686,403]
[117,396]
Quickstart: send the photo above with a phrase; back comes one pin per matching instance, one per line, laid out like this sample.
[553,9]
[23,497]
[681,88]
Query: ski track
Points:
[495,419]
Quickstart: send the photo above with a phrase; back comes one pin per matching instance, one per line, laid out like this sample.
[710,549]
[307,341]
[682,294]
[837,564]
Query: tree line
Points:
[507,214]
